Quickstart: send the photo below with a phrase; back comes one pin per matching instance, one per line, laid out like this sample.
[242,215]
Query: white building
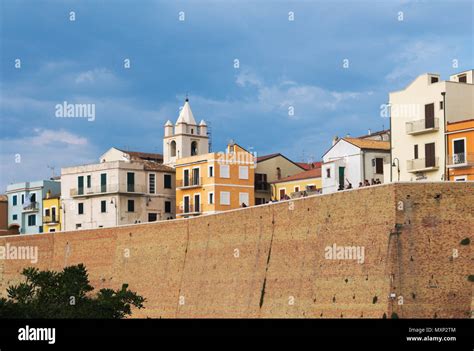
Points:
[418,117]
[124,188]
[352,161]
[185,138]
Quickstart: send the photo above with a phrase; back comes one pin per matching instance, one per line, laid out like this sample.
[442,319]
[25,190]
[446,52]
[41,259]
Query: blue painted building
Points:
[25,204]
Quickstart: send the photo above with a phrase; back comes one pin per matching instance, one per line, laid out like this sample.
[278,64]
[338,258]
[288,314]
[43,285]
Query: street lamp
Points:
[397,165]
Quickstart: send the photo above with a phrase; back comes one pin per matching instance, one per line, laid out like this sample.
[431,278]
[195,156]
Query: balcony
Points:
[189,210]
[50,219]
[460,160]
[108,189]
[31,207]
[262,187]
[423,165]
[187,183]
[422,126]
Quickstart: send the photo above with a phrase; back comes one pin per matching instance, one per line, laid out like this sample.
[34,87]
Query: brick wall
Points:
[269,261]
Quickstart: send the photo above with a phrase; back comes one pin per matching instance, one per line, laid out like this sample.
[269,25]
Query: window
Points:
[80,208]
[210,171]
[78,225]
[462,78]
[429,116]
[33,198]
[52,230]
[47,212]
[261,181]
[192,130]
[186,177]
[31,220]
[173,148]
[415,151]
[430,157]
[89,182]
[15,200]
[151,183]
[259,201]
[194,148]
[167,206]
[167,181]
[244,199]
[243,172]
[297,189]
[130,182]
[22,199]
[15,217]
[225,171]
[103,182]
[434,80]
[328,172]
[210,198]
[152,217]
[197,203]
[225,198]
[131,206]
[80,185]
[282,193]
[196,176]
[103,206]
[441,105]
[459,151]
[379,165]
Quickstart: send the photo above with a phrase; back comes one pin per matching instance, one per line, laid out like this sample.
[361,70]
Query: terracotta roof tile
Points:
[369,144]
[313,173]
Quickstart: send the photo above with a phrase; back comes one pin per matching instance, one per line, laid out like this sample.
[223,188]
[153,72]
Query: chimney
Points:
[335,139]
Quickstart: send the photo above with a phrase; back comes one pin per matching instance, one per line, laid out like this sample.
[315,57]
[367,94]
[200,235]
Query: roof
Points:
[313,173]
[144,155]
[153,166]
[369,144]
[308,166]
[266,157]
[186,115]
[380,132]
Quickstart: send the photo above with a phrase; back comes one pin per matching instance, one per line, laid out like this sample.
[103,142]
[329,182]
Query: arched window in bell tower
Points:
[173,148]
[194,148]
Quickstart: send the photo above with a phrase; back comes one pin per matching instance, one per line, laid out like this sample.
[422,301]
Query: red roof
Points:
[308,166]
[313,173]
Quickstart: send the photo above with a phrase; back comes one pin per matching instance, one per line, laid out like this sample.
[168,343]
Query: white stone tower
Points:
[186,138]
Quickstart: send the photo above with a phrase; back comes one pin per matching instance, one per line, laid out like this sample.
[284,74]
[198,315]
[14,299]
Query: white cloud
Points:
[95,75]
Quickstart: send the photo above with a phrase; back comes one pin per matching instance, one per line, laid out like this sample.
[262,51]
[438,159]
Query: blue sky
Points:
[282,63]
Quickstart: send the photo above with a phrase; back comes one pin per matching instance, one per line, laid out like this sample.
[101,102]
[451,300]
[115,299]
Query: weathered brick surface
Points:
[268,261]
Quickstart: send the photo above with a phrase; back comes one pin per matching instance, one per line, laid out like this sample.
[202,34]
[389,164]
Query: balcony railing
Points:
[262,187]
[50,219]
[189,182]
[191,209]
[460,160]
[422,164]
[421,126]
[109,188]
[32,206]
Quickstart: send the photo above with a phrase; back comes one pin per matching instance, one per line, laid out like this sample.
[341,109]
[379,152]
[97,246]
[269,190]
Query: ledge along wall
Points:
[269,261]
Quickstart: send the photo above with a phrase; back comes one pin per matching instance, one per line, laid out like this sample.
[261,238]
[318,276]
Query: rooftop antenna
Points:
[52,170]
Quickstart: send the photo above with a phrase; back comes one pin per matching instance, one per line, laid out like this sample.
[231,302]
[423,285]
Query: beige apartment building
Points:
[124,188]
[418,115]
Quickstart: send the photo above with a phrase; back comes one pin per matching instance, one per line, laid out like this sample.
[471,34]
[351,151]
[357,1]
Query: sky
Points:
[307,71]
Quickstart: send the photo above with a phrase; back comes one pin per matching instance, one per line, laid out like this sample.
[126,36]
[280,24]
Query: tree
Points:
[66,294]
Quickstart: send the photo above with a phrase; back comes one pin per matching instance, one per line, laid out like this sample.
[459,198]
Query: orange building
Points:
[215,182]
[460,157]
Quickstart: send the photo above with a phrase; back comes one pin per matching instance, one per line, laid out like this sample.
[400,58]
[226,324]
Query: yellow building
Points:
[215,182]
[52,220]
[460,157]
[297,185]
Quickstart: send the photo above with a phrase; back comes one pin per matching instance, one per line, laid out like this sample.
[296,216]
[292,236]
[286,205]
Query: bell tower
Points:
[184,139]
